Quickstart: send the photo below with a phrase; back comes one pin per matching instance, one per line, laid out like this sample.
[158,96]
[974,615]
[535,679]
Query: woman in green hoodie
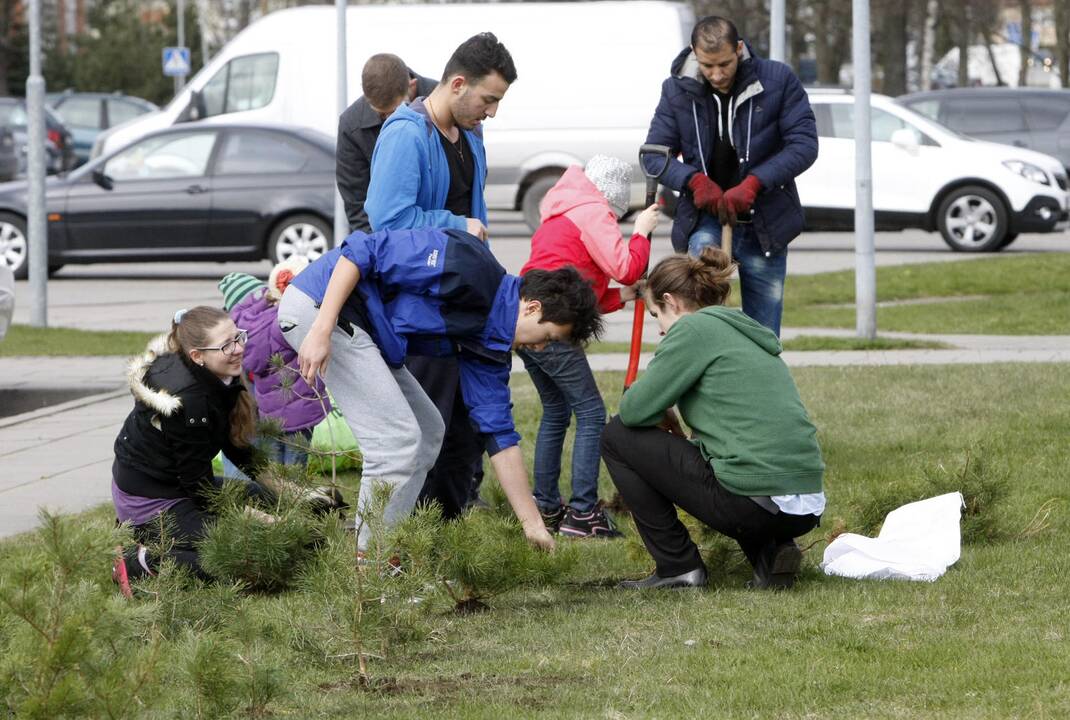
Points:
[751,469]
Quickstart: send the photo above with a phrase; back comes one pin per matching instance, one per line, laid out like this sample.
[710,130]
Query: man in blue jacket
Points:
[368,304]
[429,169]
[745,130]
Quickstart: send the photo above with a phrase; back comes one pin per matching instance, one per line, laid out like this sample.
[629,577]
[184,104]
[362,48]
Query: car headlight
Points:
[1028,171]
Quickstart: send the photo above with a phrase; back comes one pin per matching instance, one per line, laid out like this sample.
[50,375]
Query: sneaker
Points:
[588,525]
[552,518]
[120,577]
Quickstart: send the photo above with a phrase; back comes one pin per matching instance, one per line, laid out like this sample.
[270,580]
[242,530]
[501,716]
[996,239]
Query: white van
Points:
[589,78]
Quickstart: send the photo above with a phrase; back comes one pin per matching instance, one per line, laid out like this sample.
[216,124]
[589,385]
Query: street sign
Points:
[176,61]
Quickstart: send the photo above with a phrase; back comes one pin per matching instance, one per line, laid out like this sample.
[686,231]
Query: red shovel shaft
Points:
[637,343]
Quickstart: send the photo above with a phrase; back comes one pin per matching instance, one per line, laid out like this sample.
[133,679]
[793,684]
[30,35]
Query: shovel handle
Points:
[637,343]
[726,239]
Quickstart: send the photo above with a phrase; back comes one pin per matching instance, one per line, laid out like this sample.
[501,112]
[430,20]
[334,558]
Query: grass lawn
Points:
[1026,295]
[988,640]
[802,343]
[26,340]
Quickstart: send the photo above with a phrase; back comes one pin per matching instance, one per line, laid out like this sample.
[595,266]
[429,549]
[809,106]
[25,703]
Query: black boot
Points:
[776,566]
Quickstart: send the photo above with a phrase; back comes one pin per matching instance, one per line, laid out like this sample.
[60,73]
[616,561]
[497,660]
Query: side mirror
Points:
[195,110]
[906,139]
[103,180]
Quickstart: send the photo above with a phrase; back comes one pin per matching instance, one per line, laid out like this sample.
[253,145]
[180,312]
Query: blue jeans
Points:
[566,386]
[278,451]
[761,277]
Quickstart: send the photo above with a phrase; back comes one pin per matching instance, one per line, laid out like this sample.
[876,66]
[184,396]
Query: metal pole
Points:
[37,229]
[777,31]
[865,271]
[341,223]
[180,81]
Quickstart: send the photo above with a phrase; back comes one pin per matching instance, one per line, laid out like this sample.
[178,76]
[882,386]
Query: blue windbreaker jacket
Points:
[771,126]
[410,175]
[435,292]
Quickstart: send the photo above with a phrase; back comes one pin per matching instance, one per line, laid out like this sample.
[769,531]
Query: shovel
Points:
[659,155]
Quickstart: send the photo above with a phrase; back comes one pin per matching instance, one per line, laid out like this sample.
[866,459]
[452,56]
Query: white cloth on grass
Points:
[918,541]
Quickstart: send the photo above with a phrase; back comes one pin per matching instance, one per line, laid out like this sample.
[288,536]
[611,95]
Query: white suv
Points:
[979,195]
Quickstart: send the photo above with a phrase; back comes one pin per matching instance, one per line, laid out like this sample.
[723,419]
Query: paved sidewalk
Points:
[61,456]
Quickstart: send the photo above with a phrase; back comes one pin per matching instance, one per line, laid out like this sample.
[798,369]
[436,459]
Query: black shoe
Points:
[693,579]
[594,524]
[777,566]
[552,518]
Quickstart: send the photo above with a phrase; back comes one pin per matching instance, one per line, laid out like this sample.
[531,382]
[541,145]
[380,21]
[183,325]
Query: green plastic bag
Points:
[332,434]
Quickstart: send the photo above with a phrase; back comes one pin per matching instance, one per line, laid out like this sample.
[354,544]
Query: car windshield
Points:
[925,119]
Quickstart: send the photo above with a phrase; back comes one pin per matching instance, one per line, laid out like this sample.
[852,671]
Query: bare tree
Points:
[1026,40]
[890,18]
[1062,40]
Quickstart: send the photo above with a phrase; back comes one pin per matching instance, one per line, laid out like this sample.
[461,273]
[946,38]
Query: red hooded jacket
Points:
[579,229]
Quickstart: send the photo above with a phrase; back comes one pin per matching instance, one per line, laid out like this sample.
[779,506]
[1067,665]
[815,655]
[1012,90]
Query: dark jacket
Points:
[773,131]
[439,293]
[180,421]
[358,129]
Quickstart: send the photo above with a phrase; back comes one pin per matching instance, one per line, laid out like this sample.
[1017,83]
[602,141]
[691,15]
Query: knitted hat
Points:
[235,287]
[613,178]
[283,273]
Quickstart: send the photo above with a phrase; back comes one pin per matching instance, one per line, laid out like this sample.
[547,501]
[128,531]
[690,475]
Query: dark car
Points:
[87,114]
[192,192]
[9,155]
[1034,118]
[59,143]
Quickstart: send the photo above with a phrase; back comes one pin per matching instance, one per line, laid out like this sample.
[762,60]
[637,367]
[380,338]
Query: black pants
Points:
[177,531]
[454,480]
[656,472]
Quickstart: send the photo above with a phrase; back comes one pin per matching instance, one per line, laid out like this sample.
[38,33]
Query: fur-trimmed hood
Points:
[161,401]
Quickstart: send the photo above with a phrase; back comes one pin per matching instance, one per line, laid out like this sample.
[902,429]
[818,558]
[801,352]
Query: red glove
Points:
[705,193]
[738,200]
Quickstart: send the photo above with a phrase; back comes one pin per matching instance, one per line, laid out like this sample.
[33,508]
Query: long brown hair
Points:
[191,331]
[697,282]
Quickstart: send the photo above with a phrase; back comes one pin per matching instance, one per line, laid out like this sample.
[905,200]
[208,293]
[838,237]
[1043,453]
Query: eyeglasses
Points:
[230,346]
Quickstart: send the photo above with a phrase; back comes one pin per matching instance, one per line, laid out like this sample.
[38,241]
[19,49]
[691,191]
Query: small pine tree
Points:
[71,646]
[484,555]
[260,551]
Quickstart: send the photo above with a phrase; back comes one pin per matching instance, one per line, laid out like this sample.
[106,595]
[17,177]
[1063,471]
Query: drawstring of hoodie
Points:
[745,160]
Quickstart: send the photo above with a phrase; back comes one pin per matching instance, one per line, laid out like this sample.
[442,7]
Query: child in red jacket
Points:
[580,216]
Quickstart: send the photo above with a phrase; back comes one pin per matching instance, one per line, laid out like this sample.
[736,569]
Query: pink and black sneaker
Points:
[594,524]
[120,577]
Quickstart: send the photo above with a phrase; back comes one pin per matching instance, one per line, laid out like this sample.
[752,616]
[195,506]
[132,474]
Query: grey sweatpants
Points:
[398,428]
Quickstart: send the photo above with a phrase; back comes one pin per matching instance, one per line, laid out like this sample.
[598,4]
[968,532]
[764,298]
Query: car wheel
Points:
[304,235]
[14,250]
[972,219]
[534,195]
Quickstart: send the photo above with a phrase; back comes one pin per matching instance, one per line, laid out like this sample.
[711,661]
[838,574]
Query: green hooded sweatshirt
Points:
[724,372]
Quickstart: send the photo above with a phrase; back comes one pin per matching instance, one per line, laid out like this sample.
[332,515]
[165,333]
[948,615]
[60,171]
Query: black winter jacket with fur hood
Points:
[180,420]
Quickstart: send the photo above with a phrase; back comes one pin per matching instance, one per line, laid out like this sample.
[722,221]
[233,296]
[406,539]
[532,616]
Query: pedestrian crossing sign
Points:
[176,61]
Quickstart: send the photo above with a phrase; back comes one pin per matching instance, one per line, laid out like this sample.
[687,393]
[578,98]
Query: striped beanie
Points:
[236,286]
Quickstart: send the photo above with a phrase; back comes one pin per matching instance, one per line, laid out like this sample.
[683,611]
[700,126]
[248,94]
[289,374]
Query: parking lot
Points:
[143,296]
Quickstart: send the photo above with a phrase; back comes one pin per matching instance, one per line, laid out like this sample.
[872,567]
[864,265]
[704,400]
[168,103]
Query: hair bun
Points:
[713,257]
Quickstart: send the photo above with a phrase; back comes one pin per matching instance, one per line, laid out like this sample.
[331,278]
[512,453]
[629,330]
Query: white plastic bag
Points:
[919,541]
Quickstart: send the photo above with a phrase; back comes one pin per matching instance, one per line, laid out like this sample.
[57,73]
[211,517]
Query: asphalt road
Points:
[144,296]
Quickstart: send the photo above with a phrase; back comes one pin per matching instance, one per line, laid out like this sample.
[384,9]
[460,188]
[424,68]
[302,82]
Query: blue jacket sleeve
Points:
[399,165]
[485,386]
[798,128]
[665,131]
